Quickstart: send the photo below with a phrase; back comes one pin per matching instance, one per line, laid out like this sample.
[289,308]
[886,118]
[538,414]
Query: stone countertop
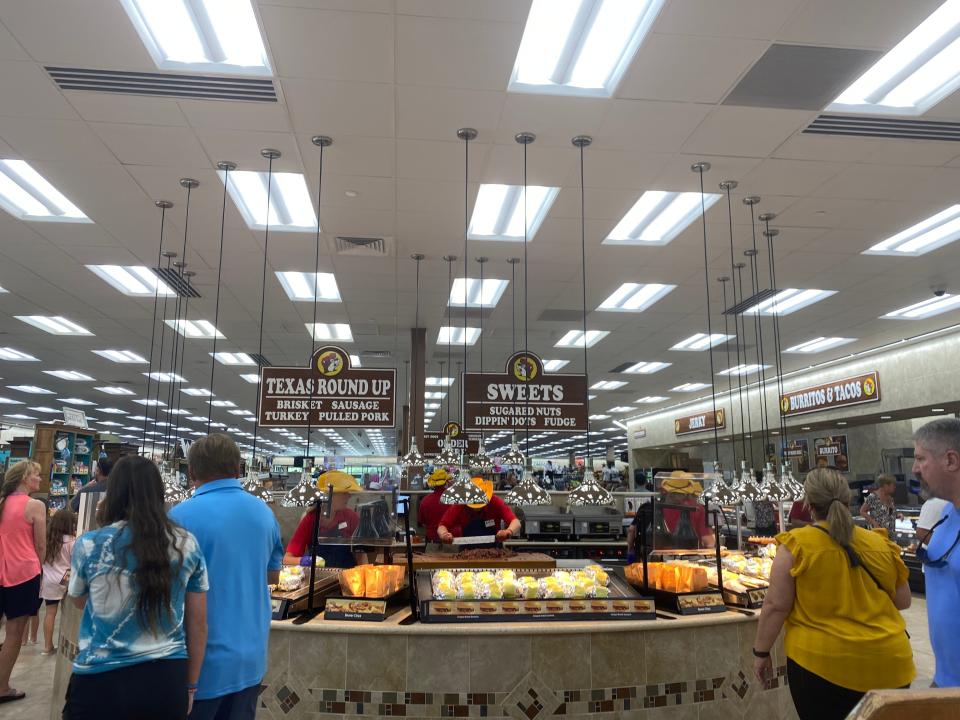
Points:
[394,625]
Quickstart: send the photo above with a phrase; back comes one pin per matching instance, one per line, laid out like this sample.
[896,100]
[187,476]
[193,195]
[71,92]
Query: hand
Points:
[504,535]
[305,561]
[763,668]
[190,694]
[445,536]
[631,557]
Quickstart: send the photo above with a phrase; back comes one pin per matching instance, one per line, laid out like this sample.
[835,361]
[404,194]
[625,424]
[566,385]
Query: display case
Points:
[66,455]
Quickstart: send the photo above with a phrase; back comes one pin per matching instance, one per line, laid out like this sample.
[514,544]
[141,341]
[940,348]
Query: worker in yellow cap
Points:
[342,523]
[431,510]
[683,517]
[491,518]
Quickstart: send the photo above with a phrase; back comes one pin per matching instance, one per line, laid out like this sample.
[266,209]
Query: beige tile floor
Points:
[33,672]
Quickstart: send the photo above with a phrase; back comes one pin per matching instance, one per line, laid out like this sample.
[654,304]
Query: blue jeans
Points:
[241,705]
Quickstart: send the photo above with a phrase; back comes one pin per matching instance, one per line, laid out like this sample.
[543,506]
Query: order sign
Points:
[329,393]
[839,393]
[525,396]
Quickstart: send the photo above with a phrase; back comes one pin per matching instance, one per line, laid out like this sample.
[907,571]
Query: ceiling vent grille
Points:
[172,277]
[346,245]
[884,128]
[203,87]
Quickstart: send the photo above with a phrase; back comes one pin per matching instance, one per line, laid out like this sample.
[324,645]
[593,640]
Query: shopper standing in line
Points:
[99,483]
[879,509]
[142,583]
[61,536]
[22,544]
[932,510]
[937,462]
[839,590]
[240,539]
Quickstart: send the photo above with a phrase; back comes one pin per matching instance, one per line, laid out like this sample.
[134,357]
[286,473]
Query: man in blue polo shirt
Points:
[240,540]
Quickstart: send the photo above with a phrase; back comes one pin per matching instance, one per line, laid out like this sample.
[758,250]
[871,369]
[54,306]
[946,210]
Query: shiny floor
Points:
[33,673]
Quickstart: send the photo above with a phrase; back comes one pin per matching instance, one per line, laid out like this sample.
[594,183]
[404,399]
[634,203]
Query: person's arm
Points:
[776,606]
[277,556]
[300,542]
[511,530]
[448,523]
[36,513]
[195,627]
[865,513]
[77,586]
[902,598]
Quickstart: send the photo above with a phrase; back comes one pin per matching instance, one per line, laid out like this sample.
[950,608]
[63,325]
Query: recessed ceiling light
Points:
[8,353]
[934,232]
[32,389]
[434,395]
[925,308]
[118,411]
[651,399]
[788,301]
[646,368]
[658,217]
[55,325]
[499,211]
[916,74]
[743,369]
[486,295]
[575,338]
[150,402]
[197,392]
[608,385]
[221,403]
[300,286]
[228,358]
[121,356]
[76,401]
[252,378]
[580,47]
[841,423]
[599,417]
[113,390]
[882,417]
[9,401]
[805,428]
[622,409]
[330,331]
[48,410]
[21,416]
[27,195]
[165,377]
[69,375]
[133,280]
[458,335]
[291,209]
[635,297]
[702,341]
[819,344]
[690,387]
[554,365]
[937,410]
[195,329]
[202,35]
[438,381]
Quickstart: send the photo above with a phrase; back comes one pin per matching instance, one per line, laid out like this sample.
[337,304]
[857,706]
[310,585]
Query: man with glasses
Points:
[937,463]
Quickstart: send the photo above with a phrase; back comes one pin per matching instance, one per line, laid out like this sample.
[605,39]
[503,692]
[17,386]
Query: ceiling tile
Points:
[437,113]
[27,91]
[350,155]
[546,165]
[502,10]
[243,147]
[132,109]
[879,24]
[752,132]
[59,140]
[226,115]
[339,108]
[789,177]
[554,120]
[759,19]
[150,145]
[647,125]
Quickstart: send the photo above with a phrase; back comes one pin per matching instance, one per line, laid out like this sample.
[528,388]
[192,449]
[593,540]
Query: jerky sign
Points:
[525,396]
[700,422]
[839,393]
[329,393]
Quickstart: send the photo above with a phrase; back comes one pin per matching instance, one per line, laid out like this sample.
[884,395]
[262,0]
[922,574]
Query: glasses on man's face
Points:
[923,555]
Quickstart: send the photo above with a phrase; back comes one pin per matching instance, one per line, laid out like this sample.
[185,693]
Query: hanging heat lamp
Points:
[480,461]
[304,494]
[463,491]
[413,457]
[527,492]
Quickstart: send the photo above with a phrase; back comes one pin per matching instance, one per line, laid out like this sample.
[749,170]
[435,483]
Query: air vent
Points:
[260,360]
[172,277]
[361,245]
[203,87]
[899,128]
[749,302]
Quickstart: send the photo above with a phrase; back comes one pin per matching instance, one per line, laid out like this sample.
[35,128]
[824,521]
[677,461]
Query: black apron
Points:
[336,556]
[480,527]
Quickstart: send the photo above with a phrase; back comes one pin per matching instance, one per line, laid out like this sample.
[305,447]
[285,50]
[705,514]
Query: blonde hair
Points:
[13,477]
[828,495]
[885,479]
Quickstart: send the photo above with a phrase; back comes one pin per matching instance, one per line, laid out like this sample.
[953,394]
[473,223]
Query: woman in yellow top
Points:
[840,589]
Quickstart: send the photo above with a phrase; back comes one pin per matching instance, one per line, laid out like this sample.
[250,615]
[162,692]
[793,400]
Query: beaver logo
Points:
[869,387]
[720,418]
[330,363]
[452,429]
[676,426]
[525,368]
[784,405]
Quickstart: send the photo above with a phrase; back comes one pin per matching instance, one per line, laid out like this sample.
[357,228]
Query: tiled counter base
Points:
[684,669]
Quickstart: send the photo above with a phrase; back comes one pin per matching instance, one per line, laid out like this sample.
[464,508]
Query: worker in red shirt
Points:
[342,523]
[494,517]
[431,510]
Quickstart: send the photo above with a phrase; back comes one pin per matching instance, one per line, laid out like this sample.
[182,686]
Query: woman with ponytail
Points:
[839,590]
[141,580]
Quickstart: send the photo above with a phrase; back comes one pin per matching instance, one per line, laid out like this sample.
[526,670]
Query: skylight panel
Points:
[228,358]
[458,335]
[300,286]
[73,375]
[926,308]
[330,331]
[133,280]
[919,72]
[55,325]
[554,365]
[934,232]
[195,329]
[290,206]
[702,341]
[27,195]
[635,297]
[658,217]
[121,356]
[819,344]
[220,36]
[478,295]
[580,47]
[646,368]
[499,211]
[789,301]
[576,338]
[12,355]
[690,387]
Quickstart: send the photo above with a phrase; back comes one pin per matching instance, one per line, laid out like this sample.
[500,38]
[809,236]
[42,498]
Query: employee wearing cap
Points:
[681,489]
[480,519]
[431,510]
[342,523]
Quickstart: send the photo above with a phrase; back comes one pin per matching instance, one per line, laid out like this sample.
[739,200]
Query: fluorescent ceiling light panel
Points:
[32,389]
[195,329]
[132,280]
[702,341]
[300,286]
[197,392]
[432,406]
[118,411]
[21,416]
[580,47]
[26,194]
[499,211]
[435,395]
[148,402]
[690,387]
[819,344]
[176,411]
[291,209]
[44,409]
[13,355]
[355,361]
[458,336]
[651,399]
[607,385]
[220,36]
[658,217]
[622,409]
[635,297]
[576,338]
[926,308]
[743,369]
[165,377]
[599,417]
[69,375]
[222,403]
[9,401]
[228,358]
[76,401]
[121,356]
[438,381]
[554,365]
[252,378]
[55,325]
[788,301]
[646,368]
[920,70]
[478,295]
[330,331]
[113,390]
[934,232]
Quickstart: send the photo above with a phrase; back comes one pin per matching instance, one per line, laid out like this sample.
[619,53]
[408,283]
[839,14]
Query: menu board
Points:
[831,451]
[798,449]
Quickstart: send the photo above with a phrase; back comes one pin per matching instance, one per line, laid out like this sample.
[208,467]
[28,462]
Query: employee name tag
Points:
[489,523]
[342,526]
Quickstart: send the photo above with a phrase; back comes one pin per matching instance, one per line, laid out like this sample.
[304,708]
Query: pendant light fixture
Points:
[155,401]
[164,205]
[745,401]
[188,276]
[480,461]
[304,494]
[466,134]
[753,254]
[723,280]
[173,493]
[413,456]
[463,491]
[226,167]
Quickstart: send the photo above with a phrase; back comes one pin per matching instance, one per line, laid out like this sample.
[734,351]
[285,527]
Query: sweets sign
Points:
[329,393]
[839,393]
[525,396]
[700,422]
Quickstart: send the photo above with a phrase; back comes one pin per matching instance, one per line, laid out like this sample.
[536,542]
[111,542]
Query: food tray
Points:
[446,561]
[286,603]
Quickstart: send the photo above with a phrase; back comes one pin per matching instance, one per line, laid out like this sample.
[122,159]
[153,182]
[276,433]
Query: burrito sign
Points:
[329,393]
[525,396]
[839,393]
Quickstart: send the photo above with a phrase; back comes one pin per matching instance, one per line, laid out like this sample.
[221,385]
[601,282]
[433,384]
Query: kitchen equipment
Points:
[597,522]
[548,521]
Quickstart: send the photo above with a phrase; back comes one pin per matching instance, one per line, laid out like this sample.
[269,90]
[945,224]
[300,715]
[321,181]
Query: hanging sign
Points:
[797,450]
[75,418]
[831,451]
[838,393]
[435,443]
[700,422]
[525,396]
[329,393]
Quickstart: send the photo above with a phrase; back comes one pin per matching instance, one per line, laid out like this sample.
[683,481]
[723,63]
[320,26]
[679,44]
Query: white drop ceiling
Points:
[391,81]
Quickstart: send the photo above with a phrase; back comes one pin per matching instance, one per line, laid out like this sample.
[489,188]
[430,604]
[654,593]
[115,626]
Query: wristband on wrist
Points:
[192,686]
[757,653]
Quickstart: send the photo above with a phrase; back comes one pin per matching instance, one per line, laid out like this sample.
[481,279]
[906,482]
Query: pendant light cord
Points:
[466,258]
[726,331]
[216,308]
[699,167]
[776,330]
[450,259]
[163,205]
[737,320]
[583,270]
[526,310]
[263,303]
[175,419]
[413,372]
[742,372]
[316,283]
[156,401]
[758,328]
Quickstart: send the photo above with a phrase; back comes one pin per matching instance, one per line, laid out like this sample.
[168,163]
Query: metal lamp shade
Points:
[304,494]
[481,461]
[514,456]
[590,494]
[792,486]
[414,458]
[449,456]
[527,493]
[173,493]
[720,493]
[463,492]
[748,490]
